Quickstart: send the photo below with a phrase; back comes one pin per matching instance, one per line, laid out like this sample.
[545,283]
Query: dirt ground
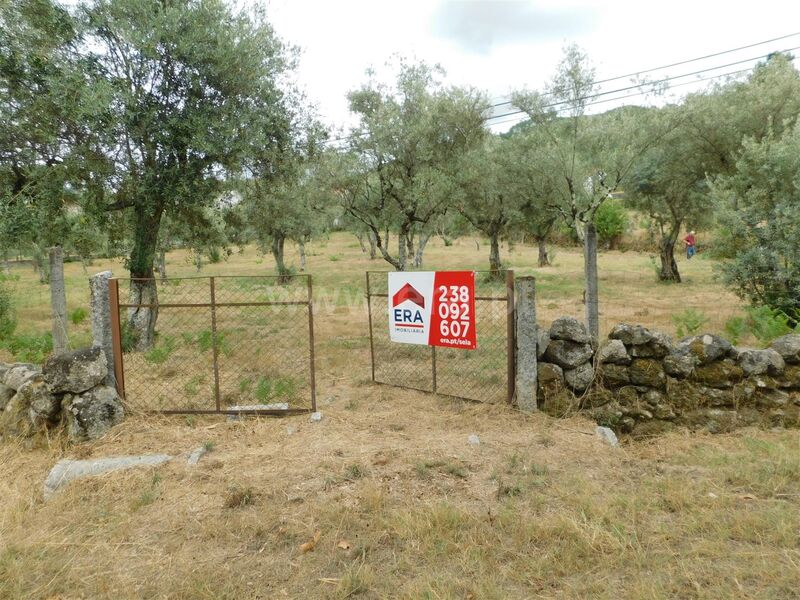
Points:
[388,497]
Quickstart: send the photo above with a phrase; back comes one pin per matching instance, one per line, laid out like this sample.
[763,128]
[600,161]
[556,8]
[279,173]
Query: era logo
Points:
[408,316]
[404,315]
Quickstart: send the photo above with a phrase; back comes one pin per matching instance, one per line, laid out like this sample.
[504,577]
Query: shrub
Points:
[214,255]
[8,322]
[611,220]
[736,328]
[766,323]
[689,322]
[78,316]
[30,348]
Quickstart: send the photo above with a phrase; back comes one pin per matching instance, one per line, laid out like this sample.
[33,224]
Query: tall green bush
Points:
[612,222]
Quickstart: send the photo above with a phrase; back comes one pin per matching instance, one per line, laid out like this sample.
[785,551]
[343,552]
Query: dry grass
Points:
[404,505]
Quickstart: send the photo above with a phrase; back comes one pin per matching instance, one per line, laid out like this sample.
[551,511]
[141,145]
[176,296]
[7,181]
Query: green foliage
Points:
[612,221]
[758,213]
[129,337]
[214,255]
[30,348]
[274,388]
[8,321]
[689,322]
[162,350]
[735,329]
[204,342]
[762,322]
[78,315]
[404,153]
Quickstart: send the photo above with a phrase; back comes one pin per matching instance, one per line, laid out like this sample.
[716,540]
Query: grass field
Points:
[387,489]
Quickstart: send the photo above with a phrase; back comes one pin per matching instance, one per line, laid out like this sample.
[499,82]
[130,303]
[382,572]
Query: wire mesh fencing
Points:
[221,344]
[484,374]
[634,296]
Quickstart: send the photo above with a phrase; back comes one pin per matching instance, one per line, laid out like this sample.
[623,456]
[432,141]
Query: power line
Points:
[521,117]
[667,79]
[685,62]
[649,83]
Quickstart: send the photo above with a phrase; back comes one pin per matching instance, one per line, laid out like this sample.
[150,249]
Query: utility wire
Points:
[686,62]
[489,120]
[521,117]
[649,83]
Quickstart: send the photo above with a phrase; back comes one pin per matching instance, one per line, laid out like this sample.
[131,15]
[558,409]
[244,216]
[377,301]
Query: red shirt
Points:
[689,239]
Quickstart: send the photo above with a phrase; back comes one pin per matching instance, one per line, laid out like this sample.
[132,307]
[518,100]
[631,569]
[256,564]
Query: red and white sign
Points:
[433,309]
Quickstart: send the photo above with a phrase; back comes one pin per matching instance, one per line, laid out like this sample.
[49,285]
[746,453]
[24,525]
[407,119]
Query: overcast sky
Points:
[503,45]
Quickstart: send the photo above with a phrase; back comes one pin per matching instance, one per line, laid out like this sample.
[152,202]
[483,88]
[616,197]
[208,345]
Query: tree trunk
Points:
[58,300]
[494,255]
[161,264]
[302,246]
[39,265]
[284,276]
[198,261]
[143,292]
[373,249]
[544,258]
[402,246]
[477,246]
[360,237]
[410,243]
[423,241]
[669,268]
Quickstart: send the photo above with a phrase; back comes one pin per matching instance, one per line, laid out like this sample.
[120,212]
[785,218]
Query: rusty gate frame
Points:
[511,366]
[116,340]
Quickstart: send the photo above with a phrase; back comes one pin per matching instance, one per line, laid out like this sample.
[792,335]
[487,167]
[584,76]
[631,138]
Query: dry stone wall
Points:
[68,391]
[641,382]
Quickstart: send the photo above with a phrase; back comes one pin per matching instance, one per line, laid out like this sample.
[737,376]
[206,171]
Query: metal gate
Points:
[226,344]
[485,374]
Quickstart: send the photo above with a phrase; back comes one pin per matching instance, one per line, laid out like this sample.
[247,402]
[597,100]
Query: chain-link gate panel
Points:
[222,344]
[485,374]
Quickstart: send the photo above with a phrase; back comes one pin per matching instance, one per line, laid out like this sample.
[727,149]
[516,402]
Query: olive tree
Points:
[183,89]
[404,152]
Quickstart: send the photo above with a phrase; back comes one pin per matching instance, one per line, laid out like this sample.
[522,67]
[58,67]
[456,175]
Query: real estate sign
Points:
[433,309]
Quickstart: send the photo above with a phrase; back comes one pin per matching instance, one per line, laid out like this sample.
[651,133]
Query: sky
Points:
[503,45]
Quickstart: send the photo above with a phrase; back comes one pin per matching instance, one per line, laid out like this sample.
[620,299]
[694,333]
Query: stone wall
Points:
[641,382]
[68,392]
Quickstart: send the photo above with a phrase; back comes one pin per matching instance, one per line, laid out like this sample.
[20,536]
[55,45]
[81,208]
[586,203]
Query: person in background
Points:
[690,241]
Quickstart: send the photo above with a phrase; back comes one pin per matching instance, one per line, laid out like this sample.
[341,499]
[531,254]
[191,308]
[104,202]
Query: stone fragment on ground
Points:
[607,435]
[67,470]
[196,455]
[473,440]
[257,407]
[315,417]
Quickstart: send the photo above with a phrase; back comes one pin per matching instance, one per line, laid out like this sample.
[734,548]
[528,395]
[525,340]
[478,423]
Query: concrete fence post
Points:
[590,263]
[58,300]
[101,320]
[526,340]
